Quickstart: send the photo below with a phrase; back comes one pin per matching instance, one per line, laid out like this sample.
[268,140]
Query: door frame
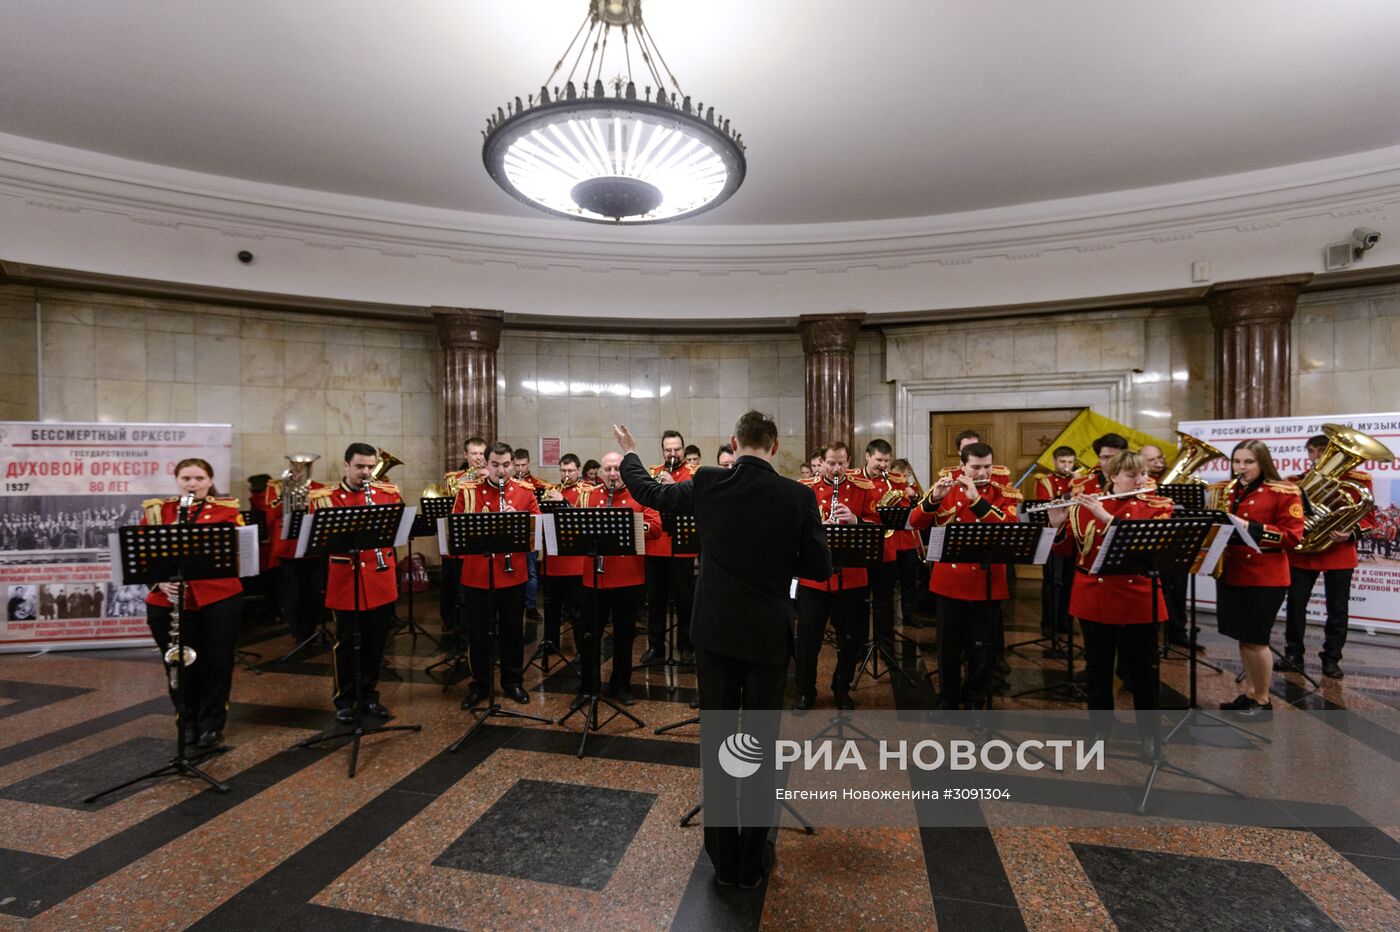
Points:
[1108,392]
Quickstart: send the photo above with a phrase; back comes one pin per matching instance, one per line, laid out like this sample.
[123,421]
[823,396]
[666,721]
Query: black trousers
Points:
[673,578]
[729,685]
[902,571]
[373,627]
[1175,588]
[504,611]
[212,632]
[1336,586]
[1135,649]
[847,612]
[301,594]
[449,595]
[599,607]
[966,628]
[563,594]
[1056,584]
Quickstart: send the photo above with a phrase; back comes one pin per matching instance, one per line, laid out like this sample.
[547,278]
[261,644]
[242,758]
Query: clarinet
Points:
[380,565]
[501,487]
[178,655]
[598,560]
[831,505]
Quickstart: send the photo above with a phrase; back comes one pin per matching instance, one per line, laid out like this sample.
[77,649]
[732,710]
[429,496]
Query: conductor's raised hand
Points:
[625,441]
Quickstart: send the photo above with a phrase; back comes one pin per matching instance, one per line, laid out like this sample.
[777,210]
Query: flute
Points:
[1046,506]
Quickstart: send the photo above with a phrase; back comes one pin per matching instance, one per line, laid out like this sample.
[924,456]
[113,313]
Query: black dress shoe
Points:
[476,695]
[345,716]
[1289,663]
[695,703]
[844,702]
[209,739]
[191,734]
[652,655]
[804,703]
[1331,669]
[532,614]
[1254,709]
[1151,747]
[688,655]
[1234,705]
[1000,665]
[378,711]
[518,694]
[624,696]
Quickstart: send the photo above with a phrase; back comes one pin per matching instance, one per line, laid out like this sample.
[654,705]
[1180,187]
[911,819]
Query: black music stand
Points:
[540,657]
[291,530]
[254,518]
[988,544]
[595,533]
[1150,548]
[352,529]
[434,512]
[178,553]
[851,547]
[896,518]
[424,525]
[487,533]
[685,538]
[1033,511]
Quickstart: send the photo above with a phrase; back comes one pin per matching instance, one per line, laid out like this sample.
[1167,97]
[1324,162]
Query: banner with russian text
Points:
[63,489]
[1375,587]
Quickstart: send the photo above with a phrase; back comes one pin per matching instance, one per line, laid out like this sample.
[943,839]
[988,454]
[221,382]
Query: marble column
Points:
[1253,322]
[829,341]
[469,340]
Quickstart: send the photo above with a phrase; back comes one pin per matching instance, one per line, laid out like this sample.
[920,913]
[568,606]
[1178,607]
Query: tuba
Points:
[296,480]
[387,461]
[1192,455]
[1337,504]
[435,490]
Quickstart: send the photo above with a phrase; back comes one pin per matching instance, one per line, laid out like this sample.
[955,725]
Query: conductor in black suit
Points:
[758,530]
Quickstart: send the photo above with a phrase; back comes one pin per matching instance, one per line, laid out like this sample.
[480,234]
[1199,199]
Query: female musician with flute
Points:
[212,608]
[1253,584]
[1115,612]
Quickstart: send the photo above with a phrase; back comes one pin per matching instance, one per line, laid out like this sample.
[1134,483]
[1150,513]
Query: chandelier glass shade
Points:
[614,158]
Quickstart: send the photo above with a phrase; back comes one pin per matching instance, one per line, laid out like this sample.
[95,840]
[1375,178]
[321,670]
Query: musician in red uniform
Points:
[843,497]
[474,462]
[372,607]
[968,620]
[212,607]
[1115,612]
[899,564]
[520,463]
[1105,448]
[612,586]
[1336,564]
[493,588]
[1057,581]
[1253,584]
[300,583]
[669,575]
[563,582]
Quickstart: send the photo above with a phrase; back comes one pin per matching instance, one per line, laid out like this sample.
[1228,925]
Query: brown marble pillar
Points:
[1253,333]
[829,341]
[469,339]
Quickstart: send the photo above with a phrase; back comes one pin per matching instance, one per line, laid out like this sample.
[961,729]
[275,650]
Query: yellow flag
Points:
[1088,426]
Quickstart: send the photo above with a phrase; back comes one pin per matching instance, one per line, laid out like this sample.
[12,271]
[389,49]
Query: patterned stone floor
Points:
[514,831]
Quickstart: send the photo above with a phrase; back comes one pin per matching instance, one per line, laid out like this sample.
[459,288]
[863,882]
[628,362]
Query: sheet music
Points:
[935,544]
[1103,549]
[639,532]
[1042,547]
[442,535]
[1243,527]
[248,551]
[548,534]
[405,525]
[1214,550]
[285,531]
[304,538]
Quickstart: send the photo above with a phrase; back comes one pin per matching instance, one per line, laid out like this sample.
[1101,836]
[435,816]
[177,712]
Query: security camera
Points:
[1363,239]
[245,256]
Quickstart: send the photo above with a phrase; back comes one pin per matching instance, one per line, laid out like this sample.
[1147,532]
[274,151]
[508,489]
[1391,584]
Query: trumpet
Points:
[1046,506]
[380,566]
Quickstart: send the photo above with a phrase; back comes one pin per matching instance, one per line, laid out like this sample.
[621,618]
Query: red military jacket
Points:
[858,494]
[661,546]
[899,540]
[276,514]
[198,592]
[618,572]
[1112,600]
[995,503]
[1275,511]
[483,496]
[568,566]
[376,588]
[1342,554]
[1052,485]
[1091,483]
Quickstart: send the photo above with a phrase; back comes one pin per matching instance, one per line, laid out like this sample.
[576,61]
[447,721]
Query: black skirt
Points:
[1247,613]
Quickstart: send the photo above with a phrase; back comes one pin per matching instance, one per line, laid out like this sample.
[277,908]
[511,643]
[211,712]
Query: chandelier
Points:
[581,153]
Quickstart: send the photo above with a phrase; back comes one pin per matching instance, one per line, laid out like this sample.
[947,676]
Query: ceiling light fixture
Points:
[620,158]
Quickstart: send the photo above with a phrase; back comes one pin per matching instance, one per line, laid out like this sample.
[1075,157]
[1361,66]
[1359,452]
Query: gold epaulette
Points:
[225,501]
[947,471]
[1008,491]
[1287,488]
[1001,471]
[382,486]
[151,507]
[1220,484]
[523,483]
[859,481]
[1151,499]
[319,496]
[810,480]
[896,476]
